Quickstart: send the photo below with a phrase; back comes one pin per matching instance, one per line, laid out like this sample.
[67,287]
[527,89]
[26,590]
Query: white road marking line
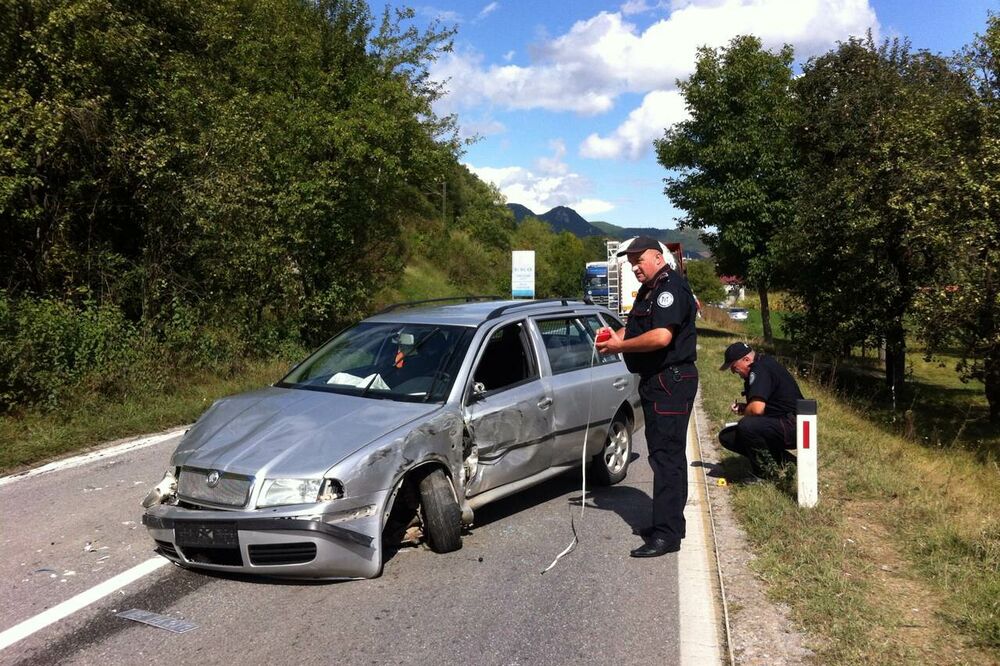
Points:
[109,452]
[700,635]
[82,600]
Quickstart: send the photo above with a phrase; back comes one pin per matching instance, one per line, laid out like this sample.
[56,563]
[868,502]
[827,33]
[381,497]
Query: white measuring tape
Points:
[583,467]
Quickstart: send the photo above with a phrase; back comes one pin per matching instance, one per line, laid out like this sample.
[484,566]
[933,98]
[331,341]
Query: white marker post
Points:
[807,468]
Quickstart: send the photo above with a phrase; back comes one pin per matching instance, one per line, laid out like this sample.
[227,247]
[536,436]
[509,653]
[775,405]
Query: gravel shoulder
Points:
[760,631]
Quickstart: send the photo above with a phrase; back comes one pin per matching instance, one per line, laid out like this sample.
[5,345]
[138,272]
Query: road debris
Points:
[156,620]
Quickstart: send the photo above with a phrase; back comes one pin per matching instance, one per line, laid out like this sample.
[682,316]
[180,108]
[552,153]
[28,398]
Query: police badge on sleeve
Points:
[665,300]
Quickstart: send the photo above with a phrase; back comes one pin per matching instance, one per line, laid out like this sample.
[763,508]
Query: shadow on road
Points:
[634,506]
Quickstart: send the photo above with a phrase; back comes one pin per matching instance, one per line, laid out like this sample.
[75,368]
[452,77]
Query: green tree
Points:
[704,282]
[559,258]
[244,157]
[734,157]
[595,248]
[960,307]
[881,138]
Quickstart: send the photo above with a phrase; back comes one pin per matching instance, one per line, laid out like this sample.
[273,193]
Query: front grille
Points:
[232,489]
[167,549]
[282,553]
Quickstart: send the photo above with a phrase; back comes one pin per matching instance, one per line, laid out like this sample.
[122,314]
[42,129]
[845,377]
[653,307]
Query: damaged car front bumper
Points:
[287,542]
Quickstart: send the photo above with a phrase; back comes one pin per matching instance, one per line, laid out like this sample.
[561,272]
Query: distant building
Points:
[735,289]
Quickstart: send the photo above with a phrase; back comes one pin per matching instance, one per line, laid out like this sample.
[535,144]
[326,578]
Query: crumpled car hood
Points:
[289,433]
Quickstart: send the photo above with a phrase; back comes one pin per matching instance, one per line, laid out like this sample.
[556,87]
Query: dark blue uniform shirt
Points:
[666,302]
[769,381]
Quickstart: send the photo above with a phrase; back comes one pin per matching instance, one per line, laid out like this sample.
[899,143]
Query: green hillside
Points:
[689,238]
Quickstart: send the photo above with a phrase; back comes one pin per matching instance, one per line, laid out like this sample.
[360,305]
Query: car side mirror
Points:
[478,391]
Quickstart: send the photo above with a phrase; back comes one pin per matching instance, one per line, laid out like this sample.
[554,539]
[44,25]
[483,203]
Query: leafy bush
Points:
[48,346]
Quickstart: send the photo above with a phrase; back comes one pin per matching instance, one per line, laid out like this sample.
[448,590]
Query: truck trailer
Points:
[622,284]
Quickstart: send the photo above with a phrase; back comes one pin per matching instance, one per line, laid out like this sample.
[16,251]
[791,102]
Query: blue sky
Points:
[567,97]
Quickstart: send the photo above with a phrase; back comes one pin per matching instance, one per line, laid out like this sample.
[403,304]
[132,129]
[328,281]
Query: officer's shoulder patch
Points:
[753,376]
[665,300]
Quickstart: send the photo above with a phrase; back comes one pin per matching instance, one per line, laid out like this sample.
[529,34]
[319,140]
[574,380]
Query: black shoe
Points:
[656,547]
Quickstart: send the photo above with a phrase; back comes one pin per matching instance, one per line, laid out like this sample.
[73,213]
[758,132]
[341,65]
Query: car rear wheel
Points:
[440,513]
[610,466]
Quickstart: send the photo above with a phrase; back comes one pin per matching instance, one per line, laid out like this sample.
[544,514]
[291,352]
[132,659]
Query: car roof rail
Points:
[409,304]
[511,306]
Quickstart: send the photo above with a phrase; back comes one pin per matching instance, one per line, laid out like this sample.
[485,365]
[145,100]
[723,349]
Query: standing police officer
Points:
[659,344]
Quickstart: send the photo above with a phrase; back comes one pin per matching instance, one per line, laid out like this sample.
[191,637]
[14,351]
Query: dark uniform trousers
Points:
[762,439]
[667,401]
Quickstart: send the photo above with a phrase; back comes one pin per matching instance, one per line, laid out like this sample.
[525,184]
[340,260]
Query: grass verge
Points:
[34,437]
[900,562]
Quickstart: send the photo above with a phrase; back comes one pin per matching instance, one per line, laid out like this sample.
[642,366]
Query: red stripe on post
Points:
[805,434]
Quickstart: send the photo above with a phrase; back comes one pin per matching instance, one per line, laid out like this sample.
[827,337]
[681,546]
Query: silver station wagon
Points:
[396,430]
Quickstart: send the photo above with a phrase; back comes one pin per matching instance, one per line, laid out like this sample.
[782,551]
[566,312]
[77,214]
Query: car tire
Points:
[440,513]
[610,465]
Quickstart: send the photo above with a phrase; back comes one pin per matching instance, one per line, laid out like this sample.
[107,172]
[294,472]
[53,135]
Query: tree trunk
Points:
[895,359]
[765,314]
[991,377]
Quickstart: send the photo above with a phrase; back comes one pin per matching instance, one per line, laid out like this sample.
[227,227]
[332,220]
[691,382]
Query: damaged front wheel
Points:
[440,512]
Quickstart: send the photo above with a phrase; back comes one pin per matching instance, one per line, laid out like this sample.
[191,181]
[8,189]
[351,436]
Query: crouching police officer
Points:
[767,429]
[659,344]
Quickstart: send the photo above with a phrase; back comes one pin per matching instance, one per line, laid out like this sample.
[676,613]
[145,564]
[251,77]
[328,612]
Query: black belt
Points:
[674,369]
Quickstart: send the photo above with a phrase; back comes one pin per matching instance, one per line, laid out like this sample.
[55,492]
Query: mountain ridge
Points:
[564,218]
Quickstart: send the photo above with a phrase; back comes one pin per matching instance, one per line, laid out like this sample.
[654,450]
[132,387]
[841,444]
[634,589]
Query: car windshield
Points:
[411,362]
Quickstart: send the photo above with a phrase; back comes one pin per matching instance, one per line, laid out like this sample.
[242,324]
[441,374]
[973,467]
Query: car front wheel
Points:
[440,513]
[610,466]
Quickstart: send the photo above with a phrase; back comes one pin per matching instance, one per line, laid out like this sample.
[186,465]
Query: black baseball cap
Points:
[735,352]
[641,244]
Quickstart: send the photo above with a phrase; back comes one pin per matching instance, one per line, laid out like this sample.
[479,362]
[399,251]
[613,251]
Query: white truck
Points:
[622,285]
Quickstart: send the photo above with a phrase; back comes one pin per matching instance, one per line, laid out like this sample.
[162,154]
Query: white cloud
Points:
[488,9]
[554,166]
[515,87]
[480,128]
[632,139]
[541,192]
[444,15]
[587,207]
[509,55]
[639,7]
[600,58]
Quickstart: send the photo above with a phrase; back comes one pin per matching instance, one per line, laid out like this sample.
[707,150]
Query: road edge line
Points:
[700,592]
[31,625]
[83,459]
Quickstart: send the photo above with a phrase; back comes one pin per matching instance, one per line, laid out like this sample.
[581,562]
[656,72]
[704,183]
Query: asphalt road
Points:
[64,532]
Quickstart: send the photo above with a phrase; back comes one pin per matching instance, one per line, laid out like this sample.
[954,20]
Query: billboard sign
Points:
[522,274]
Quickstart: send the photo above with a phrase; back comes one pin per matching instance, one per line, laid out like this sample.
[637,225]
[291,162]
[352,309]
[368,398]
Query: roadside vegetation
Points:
[900,561]
[866,188]
[194,193]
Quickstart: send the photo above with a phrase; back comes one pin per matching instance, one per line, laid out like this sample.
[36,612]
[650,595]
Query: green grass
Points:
[38,436]
[900,526]
[754,326]
[421,280]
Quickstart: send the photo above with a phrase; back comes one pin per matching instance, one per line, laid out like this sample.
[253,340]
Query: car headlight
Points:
[277,492]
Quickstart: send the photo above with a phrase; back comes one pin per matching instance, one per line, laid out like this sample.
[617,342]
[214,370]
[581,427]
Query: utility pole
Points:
[444,198]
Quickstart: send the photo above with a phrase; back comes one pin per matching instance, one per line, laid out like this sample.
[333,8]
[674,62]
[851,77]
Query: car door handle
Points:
[544,403]
[620,383]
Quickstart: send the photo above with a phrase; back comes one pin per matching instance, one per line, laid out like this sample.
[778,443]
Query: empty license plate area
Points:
[213,535]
